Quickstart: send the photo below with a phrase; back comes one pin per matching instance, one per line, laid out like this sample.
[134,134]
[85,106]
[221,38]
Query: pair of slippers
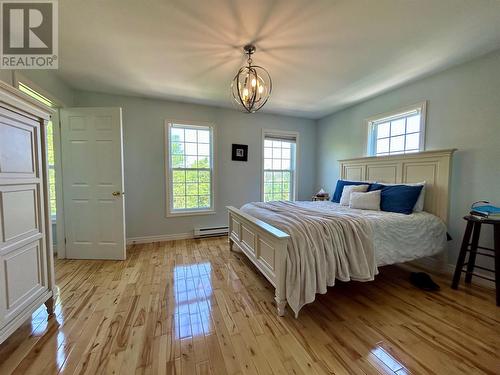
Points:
[423,281]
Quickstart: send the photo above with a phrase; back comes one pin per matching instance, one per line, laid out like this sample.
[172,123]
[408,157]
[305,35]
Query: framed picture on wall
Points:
[240,152]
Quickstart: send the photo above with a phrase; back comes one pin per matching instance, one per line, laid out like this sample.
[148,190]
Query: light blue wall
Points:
[236,182]
[46,80]
[6,76]
[463,112]
[56,87]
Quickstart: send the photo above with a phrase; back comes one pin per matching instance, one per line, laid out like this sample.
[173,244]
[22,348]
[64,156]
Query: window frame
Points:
[295,171]
[52,167]
[170,212]
[372,121]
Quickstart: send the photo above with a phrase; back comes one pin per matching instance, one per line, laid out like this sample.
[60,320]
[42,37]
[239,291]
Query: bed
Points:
[282,238]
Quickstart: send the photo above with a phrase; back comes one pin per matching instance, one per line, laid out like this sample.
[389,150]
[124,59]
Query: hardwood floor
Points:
[192,307]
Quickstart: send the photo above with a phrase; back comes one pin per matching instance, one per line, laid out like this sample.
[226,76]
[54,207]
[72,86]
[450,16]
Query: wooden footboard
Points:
[264,245]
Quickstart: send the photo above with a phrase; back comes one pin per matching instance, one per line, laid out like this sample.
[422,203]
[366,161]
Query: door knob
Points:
[117,193]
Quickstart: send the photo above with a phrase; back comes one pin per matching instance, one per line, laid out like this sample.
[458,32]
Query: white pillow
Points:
[346,192]
[366,201]
[419,205]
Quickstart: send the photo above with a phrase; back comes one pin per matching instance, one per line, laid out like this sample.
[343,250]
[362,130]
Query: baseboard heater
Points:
[210,232]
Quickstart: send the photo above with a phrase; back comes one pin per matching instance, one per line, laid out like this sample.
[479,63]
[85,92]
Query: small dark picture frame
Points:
[240,152]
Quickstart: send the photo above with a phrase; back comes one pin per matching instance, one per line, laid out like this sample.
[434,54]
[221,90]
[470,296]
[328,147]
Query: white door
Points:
[92,174]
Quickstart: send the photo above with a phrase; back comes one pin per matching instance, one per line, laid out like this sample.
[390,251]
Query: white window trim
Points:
[168,170]
[369,124]
[295,180]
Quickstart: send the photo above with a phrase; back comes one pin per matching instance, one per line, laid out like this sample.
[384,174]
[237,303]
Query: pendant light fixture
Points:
[252,85]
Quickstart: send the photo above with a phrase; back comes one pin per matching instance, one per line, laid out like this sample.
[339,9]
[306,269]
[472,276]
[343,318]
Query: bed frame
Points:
[265,245]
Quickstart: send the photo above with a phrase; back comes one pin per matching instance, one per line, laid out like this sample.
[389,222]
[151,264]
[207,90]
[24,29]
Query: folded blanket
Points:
[323,246]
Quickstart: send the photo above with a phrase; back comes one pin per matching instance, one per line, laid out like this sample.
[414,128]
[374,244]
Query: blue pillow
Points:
[397,198]
[340,188]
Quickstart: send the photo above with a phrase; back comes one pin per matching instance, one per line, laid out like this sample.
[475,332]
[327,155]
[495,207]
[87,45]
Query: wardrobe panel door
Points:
[25,280]
[18,151]
[18,212]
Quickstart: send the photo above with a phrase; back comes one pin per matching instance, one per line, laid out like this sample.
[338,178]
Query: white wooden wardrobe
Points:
[26,259]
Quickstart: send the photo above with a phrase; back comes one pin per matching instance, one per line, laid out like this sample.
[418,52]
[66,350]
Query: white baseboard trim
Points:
[448,269]
[159,238]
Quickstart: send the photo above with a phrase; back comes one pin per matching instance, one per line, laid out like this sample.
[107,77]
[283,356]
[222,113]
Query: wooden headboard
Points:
[433,167]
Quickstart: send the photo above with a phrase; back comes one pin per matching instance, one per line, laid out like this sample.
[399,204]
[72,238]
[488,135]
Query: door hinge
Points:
[65,240]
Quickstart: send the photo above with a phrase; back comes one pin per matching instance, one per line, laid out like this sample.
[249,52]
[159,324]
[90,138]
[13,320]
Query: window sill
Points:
[190,213]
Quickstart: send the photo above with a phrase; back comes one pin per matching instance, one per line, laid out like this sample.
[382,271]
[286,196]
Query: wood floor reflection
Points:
[192,307]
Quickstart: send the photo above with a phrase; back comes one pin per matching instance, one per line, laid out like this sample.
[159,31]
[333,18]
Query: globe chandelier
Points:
[252,85]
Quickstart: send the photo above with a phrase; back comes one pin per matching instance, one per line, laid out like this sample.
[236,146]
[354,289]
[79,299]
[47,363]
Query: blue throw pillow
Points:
[397,198]
[340,188]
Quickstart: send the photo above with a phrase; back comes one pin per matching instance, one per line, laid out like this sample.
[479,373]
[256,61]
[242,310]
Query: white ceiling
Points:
[322,55]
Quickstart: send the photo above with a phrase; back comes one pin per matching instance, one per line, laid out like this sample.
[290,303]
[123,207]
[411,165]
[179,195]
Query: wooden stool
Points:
[474,228]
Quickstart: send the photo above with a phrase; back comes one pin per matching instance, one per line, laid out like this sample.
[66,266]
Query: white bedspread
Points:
[397,238]
[330,242]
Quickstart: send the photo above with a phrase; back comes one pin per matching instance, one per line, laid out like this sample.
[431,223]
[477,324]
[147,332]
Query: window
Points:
[190,169]
[399,132]
[279,178]
[50,146]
